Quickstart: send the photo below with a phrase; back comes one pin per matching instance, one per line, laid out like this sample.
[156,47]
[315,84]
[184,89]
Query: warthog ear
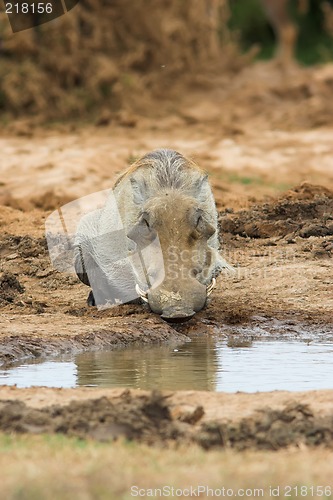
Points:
[202,189]
[139,190]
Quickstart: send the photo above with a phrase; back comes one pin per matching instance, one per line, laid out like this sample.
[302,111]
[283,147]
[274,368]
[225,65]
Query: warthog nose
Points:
[173,315]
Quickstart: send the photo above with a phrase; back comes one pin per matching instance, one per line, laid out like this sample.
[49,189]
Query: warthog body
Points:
[156,237]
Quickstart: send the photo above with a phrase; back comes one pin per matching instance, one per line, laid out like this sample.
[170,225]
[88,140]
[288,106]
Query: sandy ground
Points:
[269,153]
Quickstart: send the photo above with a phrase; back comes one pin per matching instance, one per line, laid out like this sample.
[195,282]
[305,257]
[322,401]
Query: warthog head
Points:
[183,278]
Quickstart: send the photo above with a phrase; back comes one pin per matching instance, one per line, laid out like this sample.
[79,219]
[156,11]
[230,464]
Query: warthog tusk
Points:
[211,286]
[140,292]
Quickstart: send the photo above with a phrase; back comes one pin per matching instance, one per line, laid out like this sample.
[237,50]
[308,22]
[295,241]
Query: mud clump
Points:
[31,247]
[9,288]
[270,430]
[304,211]
[147,418]
[25,246]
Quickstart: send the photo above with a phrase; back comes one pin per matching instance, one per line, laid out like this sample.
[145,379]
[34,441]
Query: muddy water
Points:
[205,363]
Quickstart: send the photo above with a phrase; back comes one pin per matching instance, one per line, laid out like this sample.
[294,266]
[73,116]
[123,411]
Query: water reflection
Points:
[206,363]
[193,365]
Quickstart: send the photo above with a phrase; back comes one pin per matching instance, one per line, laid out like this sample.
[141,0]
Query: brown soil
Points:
[304,211]
[269,421]
[267,144]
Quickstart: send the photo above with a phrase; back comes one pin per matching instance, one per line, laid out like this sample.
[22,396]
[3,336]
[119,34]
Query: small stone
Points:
[44,274]
[11,256]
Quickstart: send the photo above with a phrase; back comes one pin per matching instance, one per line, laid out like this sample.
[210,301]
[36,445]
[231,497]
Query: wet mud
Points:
[152,418]
[295,425]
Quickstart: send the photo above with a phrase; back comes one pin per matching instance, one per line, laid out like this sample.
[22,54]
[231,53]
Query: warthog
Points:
[155,240]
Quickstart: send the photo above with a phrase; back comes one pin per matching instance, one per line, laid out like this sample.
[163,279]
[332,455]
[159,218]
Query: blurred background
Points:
[105,56]
[313,18]
[244,87]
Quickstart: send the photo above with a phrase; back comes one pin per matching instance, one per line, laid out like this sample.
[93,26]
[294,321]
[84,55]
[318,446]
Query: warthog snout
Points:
[173,315]
[176,305]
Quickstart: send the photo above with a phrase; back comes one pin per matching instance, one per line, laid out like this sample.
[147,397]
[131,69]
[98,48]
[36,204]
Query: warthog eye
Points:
[146,222]
[204,228]
[198,221]
[141,233]
[196,271]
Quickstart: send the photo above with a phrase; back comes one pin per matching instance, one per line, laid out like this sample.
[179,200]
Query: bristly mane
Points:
[166,169]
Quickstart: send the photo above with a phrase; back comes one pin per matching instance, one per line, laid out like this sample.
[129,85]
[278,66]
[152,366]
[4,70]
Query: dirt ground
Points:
[266,421]
[266,140]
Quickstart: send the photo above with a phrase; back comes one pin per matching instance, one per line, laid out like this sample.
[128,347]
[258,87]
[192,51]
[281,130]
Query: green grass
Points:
[314,45]
[250,180]
[240,179]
